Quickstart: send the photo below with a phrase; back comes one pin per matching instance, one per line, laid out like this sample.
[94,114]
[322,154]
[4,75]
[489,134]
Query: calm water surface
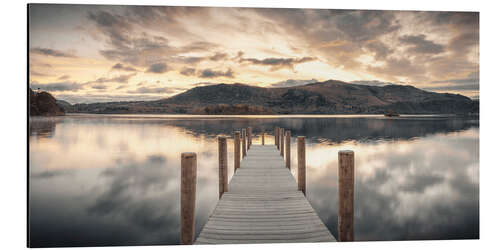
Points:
[114,179]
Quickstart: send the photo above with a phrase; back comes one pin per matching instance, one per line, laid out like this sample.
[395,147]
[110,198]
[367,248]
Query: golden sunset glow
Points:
[86,53]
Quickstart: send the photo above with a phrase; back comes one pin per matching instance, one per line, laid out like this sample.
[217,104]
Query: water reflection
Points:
[104,180]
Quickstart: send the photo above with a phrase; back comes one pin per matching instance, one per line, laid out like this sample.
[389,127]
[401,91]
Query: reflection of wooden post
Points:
[222,165]
[301,164]
[263,134]
[282,141]
[236,150]
[276,136]
[287,147]
[346,195]
[188,197]
[249,137]
[244,142]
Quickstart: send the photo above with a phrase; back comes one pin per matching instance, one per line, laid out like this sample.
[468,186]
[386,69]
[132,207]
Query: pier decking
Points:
[263,205]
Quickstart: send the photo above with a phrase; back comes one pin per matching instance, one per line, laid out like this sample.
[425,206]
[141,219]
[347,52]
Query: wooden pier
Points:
[263,203]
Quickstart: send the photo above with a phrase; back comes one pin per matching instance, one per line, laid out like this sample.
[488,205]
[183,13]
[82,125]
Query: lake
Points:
[98,180]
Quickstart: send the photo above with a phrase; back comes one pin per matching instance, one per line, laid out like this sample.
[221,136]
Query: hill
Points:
[329,97]
[43,104]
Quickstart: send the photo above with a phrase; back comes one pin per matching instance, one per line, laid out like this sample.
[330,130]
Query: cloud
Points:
[395,67]
[74,86]
[420,44]
[50,52]
[380,49]
[278,63]
[187,59]
[122,67]
[292,83]
[201,84]
[119,79]
[371,83]
[339,36]
[471,82]
[188,71]
[158,68]
[342,37]
[142,49]
[100,87]
[63,77]
[463,42]
[363,25]
[210,73]
[105,97]
[113,26]
[152,90]
[57,86]
[218,56]
[36,73]
[411,46]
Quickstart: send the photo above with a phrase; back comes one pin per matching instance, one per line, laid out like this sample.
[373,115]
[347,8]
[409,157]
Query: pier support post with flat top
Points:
[287,147]
[282,141]
[236,150]
[346,195]
[222,142]
[244,142]
[301,164]
[249,137]
[188,197]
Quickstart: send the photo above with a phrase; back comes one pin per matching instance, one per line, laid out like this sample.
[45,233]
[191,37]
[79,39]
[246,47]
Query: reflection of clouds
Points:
[418,183]
[136,193]
[146,195]
[50,174]
[421,184]
[427,191]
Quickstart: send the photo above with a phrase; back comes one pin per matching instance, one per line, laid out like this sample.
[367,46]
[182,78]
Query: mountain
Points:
[329,97]
[43,104]
[64,105]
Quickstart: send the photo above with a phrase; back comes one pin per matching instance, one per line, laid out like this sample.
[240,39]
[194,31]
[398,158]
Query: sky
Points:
[101,53]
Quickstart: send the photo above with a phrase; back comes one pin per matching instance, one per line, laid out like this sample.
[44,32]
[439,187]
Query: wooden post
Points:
[249,137]
[282,141]
[236,150]
[222,165]
[188,197]
[279,138]
[276,129]
[301,164]
[346,195]
[287,147]
[244,142]
[263,134]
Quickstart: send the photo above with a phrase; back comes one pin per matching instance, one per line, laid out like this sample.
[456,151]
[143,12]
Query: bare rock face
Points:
[43,104]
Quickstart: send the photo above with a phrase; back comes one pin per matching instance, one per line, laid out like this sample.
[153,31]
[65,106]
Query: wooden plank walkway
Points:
[263,205]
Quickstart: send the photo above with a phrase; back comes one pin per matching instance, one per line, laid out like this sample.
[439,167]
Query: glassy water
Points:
[114,179]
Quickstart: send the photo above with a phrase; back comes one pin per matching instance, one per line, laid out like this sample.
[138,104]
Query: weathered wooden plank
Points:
[202,240]
[263,205]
